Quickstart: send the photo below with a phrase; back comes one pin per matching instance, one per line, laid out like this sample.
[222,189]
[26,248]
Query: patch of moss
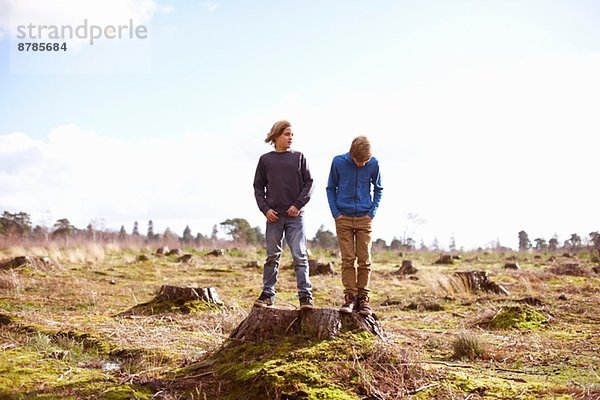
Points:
[521,317]
[126,392]
[63,339]
[292,367]
[25,374]
[172,306]
[87,340]
[484,386]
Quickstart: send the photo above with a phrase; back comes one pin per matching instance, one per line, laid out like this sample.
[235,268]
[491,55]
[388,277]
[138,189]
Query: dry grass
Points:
[392,372]
[468,346]
[97,283]
[9,280]
[89,253]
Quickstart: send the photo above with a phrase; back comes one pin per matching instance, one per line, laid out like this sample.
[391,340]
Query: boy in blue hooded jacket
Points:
[353,207]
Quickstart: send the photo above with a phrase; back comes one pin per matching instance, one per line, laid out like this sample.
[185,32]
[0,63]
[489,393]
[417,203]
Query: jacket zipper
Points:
[355,189]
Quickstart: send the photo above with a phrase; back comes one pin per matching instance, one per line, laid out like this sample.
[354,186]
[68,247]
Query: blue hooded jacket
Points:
[349,187]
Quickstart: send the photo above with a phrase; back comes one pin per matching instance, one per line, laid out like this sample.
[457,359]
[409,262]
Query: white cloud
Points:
[210,5]
[481,154]
[166,10]
[82,175]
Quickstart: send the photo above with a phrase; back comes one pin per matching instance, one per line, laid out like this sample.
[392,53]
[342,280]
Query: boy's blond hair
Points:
[360,150]
[277,130]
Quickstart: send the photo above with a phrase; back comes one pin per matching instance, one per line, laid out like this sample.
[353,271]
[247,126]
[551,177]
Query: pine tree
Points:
[524,242]
[452,246]
[122,233]
[150,235]
[187,235]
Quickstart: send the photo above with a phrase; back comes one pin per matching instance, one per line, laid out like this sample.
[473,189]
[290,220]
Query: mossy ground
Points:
[60,328]
[521,317]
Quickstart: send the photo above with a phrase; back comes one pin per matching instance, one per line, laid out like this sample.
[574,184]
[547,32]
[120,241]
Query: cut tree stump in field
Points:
[532,301]
[161,251]
[316,267]
[43,263]
[177,299]
[216,253]
[407,268]
[512,265]
[185,259]
[320,323]
[476,281]
[252,264]
[445,259]
[178,293]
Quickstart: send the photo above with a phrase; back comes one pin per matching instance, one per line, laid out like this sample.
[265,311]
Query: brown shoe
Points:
[348,305]
[363,305]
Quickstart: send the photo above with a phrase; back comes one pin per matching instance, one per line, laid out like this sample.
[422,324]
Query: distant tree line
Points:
[16,227]
[573,244]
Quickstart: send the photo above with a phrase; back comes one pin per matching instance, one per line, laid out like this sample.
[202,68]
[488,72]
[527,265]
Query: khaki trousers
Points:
[354,239]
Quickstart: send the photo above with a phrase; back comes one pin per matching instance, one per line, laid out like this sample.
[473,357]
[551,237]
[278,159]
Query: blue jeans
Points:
[293,230]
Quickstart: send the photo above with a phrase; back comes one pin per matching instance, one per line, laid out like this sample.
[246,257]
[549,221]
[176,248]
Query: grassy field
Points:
[70,330]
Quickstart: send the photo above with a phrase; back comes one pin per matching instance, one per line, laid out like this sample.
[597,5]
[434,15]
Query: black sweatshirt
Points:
[281,180]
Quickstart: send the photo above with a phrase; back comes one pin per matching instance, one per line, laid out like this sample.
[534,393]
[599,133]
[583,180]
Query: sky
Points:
[483,114]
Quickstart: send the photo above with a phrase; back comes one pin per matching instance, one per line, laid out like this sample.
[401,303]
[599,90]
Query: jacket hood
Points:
[346,157]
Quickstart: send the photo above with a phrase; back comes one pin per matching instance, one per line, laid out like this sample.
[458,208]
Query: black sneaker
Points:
[363,305]
[306,303]
[264,300]
[348,306]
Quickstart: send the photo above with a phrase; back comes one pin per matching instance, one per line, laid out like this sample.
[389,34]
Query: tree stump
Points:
[512,265]
[320,268]
[162,251]
[407,268]
[176,299]
[174,252]
[252,264]
[185,259]
[43,263]
[321,323]
[216,253]
[177,293]
[532,301]
[445,259]
[474,281]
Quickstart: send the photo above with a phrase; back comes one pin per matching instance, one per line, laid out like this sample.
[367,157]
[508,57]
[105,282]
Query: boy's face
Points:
[360,163]
[284,141]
